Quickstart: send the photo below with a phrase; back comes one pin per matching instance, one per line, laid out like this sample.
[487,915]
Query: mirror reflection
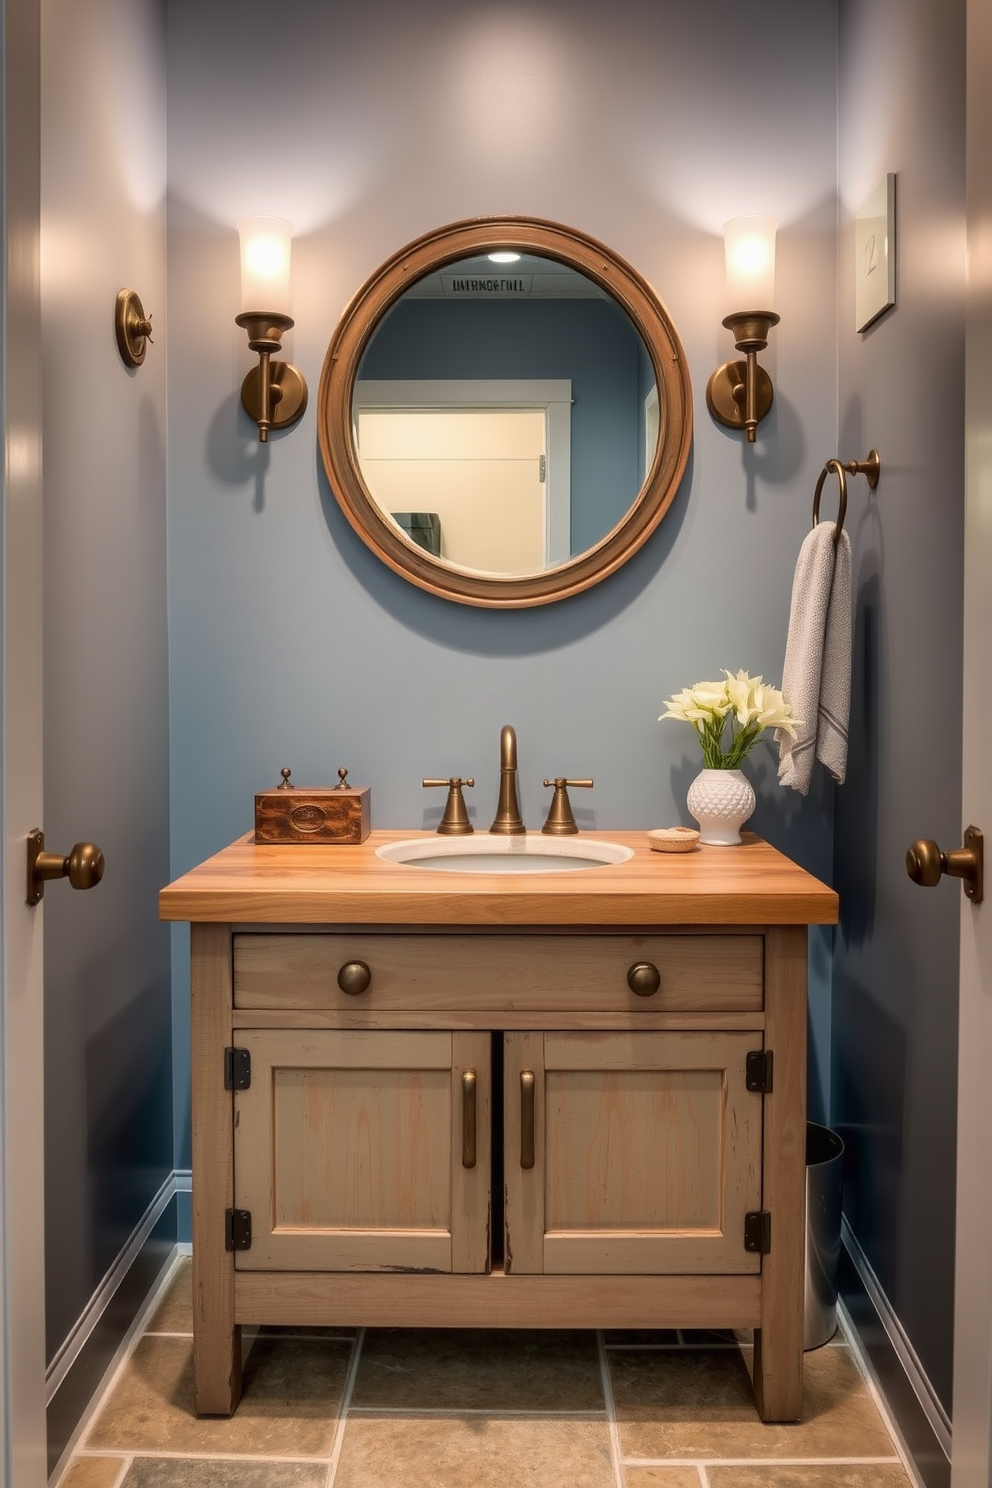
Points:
[505,414]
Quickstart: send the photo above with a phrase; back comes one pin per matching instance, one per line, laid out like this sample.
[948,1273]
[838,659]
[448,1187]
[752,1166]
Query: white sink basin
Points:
[483,853]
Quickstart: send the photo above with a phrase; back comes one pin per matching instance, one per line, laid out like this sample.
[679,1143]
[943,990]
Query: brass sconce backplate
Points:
[132,327]
[289,391]
[725,394]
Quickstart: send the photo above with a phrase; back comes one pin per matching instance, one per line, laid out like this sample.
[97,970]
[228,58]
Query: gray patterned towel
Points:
[817,674]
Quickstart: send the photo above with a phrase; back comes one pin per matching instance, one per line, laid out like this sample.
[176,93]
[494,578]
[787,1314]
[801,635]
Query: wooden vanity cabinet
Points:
[640,1161]
[364,1151]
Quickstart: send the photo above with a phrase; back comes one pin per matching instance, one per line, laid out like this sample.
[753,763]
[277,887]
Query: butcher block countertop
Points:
[752,884]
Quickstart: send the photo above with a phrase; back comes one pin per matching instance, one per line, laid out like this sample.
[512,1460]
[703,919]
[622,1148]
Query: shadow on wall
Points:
[856,827]
[129,1099]
[869,1095]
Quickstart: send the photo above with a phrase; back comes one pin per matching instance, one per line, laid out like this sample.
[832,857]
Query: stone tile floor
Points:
[396,1408]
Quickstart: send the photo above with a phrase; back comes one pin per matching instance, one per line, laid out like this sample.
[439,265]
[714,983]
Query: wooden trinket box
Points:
[293,813]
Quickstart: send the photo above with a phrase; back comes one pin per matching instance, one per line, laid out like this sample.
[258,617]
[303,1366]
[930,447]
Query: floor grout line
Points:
[612,1426]
[705,1462]
[123,1353]
[456,1413]
[863,1366]
[190,1456]
[345,1407]
[677,1348]
[123,1471]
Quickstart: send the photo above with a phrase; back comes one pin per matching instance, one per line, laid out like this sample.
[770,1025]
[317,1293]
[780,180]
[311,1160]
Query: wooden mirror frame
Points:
[426,255]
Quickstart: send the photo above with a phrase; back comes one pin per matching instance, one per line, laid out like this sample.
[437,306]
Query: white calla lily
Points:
[750,705]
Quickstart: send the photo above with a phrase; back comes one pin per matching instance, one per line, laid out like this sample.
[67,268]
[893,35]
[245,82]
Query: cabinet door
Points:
[364,1151]
[630,1153]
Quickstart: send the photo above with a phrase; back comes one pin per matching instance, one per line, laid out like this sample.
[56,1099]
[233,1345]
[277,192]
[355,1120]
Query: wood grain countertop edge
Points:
[748,885]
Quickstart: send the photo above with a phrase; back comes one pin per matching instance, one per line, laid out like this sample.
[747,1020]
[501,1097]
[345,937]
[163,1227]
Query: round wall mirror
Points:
[505,412]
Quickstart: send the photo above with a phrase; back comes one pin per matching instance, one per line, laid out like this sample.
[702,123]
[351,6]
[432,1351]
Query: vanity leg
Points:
[216,1337]
[778,1344]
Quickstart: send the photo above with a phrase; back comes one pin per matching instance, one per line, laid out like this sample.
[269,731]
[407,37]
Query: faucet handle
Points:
[454,822]
[560,821]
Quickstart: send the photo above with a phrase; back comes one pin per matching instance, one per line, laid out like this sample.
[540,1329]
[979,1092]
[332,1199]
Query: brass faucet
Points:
[508,820]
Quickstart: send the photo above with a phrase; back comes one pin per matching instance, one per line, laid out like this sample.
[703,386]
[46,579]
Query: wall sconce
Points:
[274,394]
[739,394]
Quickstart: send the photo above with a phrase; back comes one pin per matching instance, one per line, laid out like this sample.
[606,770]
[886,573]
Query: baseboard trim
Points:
[102,1297]
[912,1401]
[79,1364]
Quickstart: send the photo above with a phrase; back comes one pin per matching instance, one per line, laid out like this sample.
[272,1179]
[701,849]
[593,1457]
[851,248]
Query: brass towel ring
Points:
[838,470]
[870,469]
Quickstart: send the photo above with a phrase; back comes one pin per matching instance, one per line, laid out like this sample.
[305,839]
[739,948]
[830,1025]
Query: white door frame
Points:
[23,1454]
[553,394]
[972,1407]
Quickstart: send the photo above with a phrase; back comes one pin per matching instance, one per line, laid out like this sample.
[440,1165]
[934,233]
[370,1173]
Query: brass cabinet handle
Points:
[83,867]
[643,979]
[468,1119]
[925,863]
[354,978]
[526,1118]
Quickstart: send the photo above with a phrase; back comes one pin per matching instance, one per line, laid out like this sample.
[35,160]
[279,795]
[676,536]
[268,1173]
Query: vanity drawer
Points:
[557,973]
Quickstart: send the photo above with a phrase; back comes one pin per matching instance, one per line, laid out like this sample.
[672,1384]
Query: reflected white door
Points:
[482,471]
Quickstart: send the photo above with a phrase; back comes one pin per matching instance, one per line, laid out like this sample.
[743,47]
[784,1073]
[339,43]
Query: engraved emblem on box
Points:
[319,815]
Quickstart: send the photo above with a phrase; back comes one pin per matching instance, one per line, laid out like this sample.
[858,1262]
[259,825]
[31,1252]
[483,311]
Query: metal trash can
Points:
[824,1162]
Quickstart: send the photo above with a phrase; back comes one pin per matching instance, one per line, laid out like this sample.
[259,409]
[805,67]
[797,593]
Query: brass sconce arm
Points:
[274,394]
[740,394]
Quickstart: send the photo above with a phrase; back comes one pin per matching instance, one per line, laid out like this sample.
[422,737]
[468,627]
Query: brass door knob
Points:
[926,864]
[644,979]
[83,866]
[354,978]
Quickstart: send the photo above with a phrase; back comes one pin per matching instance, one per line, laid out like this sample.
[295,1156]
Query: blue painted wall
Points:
[108,996]
[290,643]
[902,90]
[591,342]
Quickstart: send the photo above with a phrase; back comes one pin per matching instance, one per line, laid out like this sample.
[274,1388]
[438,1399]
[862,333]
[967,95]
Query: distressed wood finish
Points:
[523,1020]
[653,1153]
[217,1340]
[313,817]
[294,1300]
[345,1142]
[589,1236]
[247,883]
[523,1053]
[471,1187]
[778,1344]
[550,973]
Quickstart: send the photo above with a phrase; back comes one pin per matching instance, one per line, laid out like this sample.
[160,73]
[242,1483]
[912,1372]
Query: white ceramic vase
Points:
[721,801]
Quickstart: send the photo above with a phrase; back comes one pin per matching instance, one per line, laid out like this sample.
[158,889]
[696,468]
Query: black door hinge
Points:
[758,1071]
[237,1229]
[237,1069]
[758,1232]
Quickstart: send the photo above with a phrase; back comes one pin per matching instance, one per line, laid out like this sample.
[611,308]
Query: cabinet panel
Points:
[349,1151]
[647,1153]
[548,973]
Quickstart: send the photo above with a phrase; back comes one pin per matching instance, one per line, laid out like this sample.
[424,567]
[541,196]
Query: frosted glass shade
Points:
[265,250]
[749,243]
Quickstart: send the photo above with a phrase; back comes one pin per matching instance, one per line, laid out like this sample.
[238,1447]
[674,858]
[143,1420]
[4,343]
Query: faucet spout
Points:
[508,820]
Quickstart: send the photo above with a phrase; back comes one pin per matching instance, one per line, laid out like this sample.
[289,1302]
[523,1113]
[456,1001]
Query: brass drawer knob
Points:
[643,979]
[354,978]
